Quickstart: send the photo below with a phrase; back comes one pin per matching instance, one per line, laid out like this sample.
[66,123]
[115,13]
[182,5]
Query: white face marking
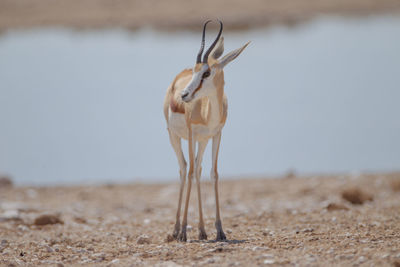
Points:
[197,77]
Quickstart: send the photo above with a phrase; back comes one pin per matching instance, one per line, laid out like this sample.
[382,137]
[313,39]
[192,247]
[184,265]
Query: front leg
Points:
[176,144]
[201,147]
[214,175]
[182,235]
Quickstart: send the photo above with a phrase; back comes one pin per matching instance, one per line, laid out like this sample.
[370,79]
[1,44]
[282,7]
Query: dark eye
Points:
[206,74]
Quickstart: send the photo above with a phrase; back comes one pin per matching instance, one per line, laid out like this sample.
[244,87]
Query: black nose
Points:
[185,95]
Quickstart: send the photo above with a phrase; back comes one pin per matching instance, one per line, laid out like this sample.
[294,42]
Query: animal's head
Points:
[207,72]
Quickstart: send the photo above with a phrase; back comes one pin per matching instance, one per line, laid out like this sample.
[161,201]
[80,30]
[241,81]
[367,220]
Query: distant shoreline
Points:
[178,14]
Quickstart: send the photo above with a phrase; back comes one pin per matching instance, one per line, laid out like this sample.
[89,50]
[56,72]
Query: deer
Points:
[195,109]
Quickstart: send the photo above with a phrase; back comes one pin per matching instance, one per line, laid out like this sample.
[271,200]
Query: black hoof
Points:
[176,231]
[220,236]
[182,237]
[202,235]
[175,234]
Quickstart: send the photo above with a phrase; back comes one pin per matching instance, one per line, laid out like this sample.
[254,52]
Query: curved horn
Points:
[198,60]
[205,58]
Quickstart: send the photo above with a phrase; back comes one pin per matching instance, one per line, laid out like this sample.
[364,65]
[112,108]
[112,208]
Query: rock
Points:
[47,219]
[10,215]
[167,264]
[356,196]
[98,257]
[210,261]
[49,249]
[344,257]
[217,250]
[22,228]
[269,261]
[80,220]
[115,261]
[5,181]
[148,210]
[86,260]
[267,232]
[395,184]
[266,255]
[361,259]
[334,206]
[143,239]
[3,245]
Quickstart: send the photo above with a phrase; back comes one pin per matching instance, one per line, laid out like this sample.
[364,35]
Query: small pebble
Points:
[268,261]
[47,219]
[22,228]
[335,206]
[98,257]
[10,215]
[356,196]
[115,261]
[143,239]
[80,220]
[268,255]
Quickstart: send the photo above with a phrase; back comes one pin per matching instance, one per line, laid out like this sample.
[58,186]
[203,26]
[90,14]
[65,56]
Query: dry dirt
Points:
[174,14]
[303,221]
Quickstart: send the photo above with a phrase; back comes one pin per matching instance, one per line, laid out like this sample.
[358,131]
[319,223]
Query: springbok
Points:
[195,109]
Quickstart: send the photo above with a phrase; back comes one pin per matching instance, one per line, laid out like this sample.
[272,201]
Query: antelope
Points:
[195,108]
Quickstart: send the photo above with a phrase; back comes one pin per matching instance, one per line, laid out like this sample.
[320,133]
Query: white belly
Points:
[177,124]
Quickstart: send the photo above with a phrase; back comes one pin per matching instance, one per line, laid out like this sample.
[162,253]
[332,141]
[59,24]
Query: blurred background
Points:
[82,85]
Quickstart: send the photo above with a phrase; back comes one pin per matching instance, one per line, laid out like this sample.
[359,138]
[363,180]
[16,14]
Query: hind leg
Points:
[176,144]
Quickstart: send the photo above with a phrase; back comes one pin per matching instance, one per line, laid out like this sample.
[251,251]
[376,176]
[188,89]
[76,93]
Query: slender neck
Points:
[216,108]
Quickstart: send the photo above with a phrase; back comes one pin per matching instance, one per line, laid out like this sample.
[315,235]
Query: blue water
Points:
[87,106]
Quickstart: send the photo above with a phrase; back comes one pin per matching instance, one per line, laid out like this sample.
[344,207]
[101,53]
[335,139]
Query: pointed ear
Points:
[231,56]
[218,49]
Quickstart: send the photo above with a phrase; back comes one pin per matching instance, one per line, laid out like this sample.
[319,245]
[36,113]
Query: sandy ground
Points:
[175,14]
[289,221]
